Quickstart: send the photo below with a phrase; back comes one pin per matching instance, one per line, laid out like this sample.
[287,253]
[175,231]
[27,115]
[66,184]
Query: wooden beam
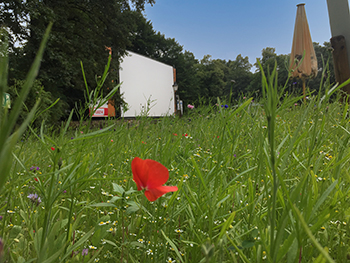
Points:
[339,20]
[340,59]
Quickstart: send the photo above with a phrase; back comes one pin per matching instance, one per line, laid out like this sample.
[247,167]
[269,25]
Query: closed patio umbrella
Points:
[303,61]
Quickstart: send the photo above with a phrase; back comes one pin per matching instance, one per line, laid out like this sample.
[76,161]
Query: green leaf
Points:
[248,244]
[240,252]
[135,244]
[104,205]
[227,224]
[171,243]
[81,241]
[255,233]
[8,142]
[117,188]
[54,256]
[133,207]
[33,72]
[323,197]
[15,231]
[92,134]
[311,236]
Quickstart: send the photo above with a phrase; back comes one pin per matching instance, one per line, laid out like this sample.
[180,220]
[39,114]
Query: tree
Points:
[146,41]
[268,61]
[81,32]
[210,75]
[13,17]
[187,79]
[239,76]
[324,62]
[143,36]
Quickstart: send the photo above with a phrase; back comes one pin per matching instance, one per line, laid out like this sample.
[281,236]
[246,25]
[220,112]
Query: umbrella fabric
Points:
[302,44]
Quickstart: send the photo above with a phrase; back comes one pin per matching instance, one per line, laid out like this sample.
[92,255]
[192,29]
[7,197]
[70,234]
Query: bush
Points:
[50,116]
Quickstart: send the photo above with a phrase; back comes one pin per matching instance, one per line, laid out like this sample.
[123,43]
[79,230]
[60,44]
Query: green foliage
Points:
[9,119]
[237,77]
[256,184]
[37,92]
[211,75]
[81,32]
[48,235]
[325,64]
[94,98]
[187,78]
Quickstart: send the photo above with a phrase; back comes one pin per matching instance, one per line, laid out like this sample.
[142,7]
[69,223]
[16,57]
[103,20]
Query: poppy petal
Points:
[155,193]
[140,170]
[158,174]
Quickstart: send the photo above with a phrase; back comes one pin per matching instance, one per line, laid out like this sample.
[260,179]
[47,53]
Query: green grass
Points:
[262,182]
[245,195]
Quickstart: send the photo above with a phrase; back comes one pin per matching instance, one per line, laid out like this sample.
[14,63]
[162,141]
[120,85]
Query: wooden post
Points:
[341,63]
[339,20]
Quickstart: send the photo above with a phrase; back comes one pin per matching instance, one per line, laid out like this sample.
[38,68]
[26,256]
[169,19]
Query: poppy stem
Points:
[123,229]
[304,90]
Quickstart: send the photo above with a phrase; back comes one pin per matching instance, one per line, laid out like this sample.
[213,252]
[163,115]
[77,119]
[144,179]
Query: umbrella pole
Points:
[304,90]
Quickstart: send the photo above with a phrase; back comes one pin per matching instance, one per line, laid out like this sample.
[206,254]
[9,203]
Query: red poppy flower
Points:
[53,148]
[151,175]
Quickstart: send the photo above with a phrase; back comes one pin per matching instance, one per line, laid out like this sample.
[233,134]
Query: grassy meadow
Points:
[263,182]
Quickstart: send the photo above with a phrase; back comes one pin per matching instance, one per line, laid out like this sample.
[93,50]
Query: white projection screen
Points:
[145,80]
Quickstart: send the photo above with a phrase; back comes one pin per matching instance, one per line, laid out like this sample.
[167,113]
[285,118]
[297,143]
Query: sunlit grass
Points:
[219,160]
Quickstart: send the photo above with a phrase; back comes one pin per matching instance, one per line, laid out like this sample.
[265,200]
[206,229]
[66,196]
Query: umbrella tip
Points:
[300,4]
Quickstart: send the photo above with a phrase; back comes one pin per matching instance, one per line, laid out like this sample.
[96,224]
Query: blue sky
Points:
[227,28]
